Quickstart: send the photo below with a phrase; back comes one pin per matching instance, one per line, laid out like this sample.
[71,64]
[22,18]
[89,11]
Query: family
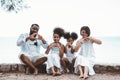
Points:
[59,58]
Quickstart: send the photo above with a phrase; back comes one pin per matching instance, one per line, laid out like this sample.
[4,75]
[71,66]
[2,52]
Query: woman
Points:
[86,57]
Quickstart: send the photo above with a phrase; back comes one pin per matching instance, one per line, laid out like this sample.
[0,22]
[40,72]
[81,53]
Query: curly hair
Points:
[59,31]
[73,35]
[67,35]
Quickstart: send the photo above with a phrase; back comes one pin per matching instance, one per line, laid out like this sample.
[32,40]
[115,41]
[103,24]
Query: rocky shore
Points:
[99,68]
[16,72]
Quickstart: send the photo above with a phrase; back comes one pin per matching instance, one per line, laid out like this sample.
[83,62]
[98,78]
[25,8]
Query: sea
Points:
[106,53]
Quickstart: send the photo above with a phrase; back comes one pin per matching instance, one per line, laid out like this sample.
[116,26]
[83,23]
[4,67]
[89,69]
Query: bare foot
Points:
[81,76]
[36,72]
[58,73]
[27,71]
[54,73]
[85,76]
[64,71]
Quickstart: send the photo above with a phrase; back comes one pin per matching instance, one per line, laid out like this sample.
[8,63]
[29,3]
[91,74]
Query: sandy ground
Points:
[22,76]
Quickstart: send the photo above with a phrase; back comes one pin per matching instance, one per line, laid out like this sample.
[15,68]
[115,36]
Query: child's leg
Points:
[86,72]
[53,71]
[64,62]
[72,65]
[81,72]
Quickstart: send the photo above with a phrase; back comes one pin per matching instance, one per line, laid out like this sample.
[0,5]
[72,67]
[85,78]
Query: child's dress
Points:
[86,57]
[69,55]
[53,59]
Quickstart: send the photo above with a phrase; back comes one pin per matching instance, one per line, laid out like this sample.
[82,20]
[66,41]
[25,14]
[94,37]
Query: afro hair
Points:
[73,35]
[59,31]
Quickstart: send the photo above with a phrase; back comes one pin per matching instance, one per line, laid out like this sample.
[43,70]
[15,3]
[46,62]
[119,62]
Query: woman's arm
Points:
[97,41]
[78,44]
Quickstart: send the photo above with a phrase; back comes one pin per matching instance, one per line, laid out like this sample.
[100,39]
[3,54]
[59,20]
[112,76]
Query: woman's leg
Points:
[27,61]
[81,71]
[86,72]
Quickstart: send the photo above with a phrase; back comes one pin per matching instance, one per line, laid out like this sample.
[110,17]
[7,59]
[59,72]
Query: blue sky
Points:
[102,16]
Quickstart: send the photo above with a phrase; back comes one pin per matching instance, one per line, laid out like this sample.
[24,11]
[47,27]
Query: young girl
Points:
[57,50]
[86,57]
[30,49]
[69,58]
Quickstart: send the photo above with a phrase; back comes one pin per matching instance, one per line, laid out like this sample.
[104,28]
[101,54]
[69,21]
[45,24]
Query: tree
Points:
[13,5]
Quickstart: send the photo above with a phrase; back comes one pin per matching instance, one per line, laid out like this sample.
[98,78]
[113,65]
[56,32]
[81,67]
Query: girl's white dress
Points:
[69,55]
[86,57]
[53,59]
[29,48]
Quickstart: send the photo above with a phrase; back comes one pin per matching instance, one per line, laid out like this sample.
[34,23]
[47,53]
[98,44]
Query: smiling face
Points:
[70,40]
[56,38]
[85,31]
[84,34]
[34,29]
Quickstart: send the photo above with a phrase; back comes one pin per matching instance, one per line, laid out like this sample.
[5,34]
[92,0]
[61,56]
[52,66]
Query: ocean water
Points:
[106,53]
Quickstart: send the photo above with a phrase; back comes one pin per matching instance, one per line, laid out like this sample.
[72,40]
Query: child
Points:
[30,49]
[57,50]
[69,58]
[86,57]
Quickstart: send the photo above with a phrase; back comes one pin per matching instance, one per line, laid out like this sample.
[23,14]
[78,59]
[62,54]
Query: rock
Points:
[5,68]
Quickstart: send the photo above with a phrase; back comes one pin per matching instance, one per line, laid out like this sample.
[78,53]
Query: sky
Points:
[102,16]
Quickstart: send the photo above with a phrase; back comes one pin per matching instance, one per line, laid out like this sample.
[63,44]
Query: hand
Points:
[69,44]
[58,45]
[34,35]
[31,37]
[81,41]
[40,37]
[88,39]
[55,45]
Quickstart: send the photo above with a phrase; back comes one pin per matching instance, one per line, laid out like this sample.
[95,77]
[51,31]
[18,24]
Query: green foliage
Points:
[13,5]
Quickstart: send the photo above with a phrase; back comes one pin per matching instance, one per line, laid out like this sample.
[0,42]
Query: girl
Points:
[69,58]
[30,49]
[57,50]
[86,57]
